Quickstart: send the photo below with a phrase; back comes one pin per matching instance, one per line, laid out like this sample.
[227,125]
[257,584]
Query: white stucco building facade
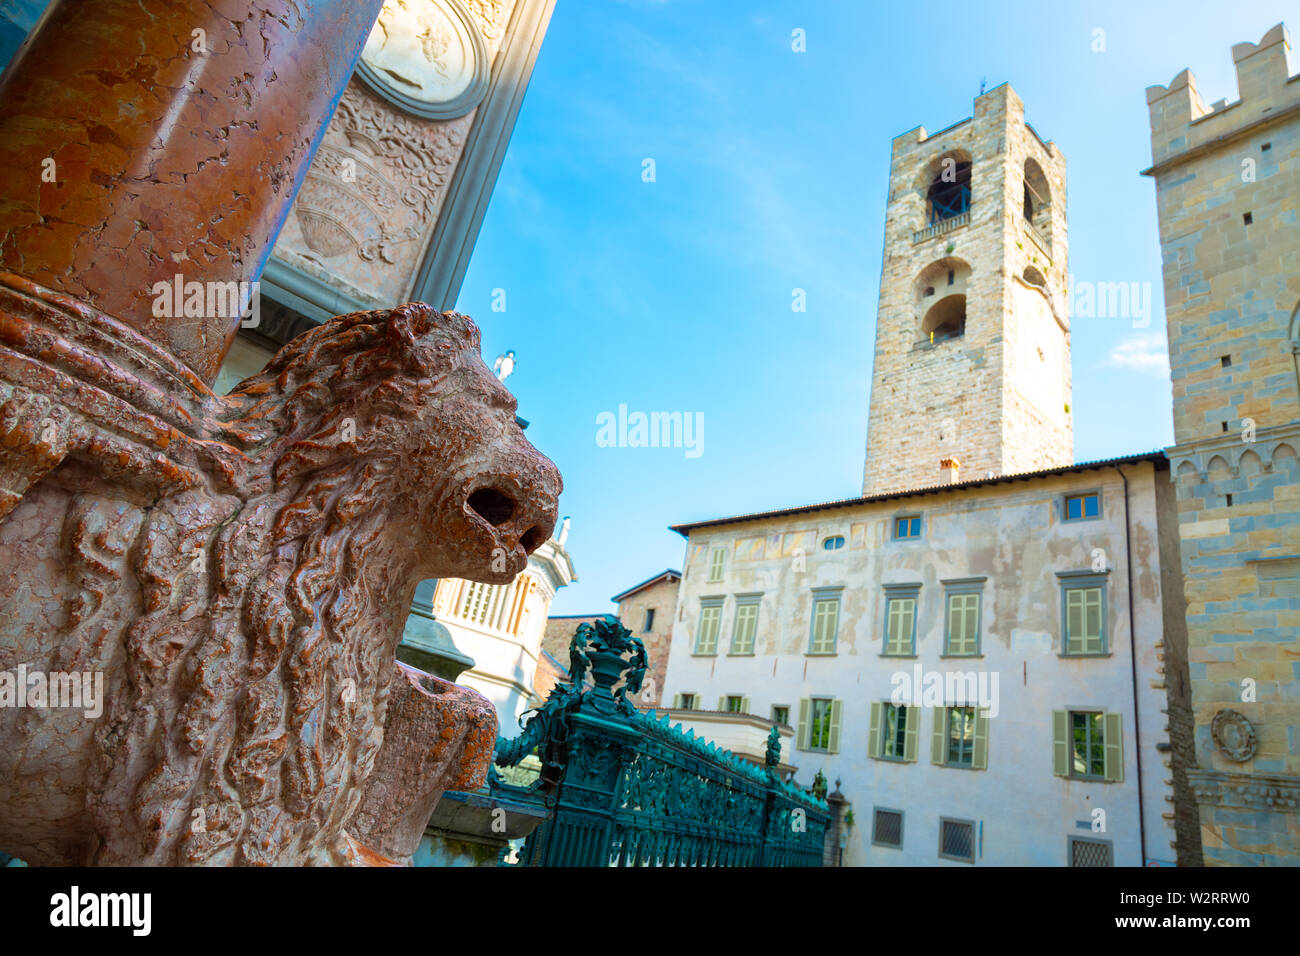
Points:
[991,578]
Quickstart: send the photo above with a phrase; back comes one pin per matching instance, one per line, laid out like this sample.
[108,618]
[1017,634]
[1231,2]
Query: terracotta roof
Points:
[645,584]
[1158,458]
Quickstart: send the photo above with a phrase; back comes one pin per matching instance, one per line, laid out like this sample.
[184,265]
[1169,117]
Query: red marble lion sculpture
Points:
[238,569]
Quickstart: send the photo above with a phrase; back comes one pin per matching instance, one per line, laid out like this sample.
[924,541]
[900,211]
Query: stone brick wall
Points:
[662,597]
[981,397]
[1228,194]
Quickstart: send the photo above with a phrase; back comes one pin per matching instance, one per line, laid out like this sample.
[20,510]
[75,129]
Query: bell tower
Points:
[972,363]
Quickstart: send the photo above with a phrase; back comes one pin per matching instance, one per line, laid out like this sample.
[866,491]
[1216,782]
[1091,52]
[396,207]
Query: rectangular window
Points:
[686,701]
[887,828]
[961,737]
[706,641]
[649,619]
[893,731]
[1083,621]
[746,627]
[781,715]
[1089,852]
[820,733]
[716,563]
[819,724]
[957,840]
[1088,745]
[734,704]
[900,626]
[963,632]
[1078,507]
[825,623]
[908,526]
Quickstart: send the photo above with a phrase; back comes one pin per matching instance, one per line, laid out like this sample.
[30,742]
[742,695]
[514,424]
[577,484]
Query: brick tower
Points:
[1228,193]
[972,364]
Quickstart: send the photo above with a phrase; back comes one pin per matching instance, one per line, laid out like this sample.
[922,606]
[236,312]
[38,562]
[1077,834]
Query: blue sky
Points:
[771,169]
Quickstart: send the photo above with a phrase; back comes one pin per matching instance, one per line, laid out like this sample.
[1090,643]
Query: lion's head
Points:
[377,450]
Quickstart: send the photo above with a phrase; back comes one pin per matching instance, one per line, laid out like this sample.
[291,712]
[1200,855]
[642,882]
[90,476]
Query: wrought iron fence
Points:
[627,788]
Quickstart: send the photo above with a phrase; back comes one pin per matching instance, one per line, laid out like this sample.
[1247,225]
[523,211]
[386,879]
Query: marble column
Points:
[141,141]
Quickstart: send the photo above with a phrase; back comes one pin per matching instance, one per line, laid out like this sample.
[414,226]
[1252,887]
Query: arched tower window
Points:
[1038,196]
[946,319]
[948,193]
[940,292]
[1034,277]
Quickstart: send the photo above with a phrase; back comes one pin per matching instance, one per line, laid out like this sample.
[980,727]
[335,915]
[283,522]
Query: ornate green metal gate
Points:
[625,788]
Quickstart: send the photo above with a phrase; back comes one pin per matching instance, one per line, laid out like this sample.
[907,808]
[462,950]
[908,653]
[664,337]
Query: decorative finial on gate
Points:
[773,756]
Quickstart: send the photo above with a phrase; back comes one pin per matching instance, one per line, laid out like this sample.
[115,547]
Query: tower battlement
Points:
[1266,87]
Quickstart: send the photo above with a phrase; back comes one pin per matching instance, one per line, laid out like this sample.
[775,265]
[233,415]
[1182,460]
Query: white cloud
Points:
[1142,353]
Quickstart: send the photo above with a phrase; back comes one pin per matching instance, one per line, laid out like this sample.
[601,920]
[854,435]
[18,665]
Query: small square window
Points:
[957,840]
[1229,501]
[781,714]
[908,526]
[686,701]
[1266,147]
[1225,361]
[1079,507]
[887,828]
[1085,852]
[1247,218]
[1225,426]
[734,704]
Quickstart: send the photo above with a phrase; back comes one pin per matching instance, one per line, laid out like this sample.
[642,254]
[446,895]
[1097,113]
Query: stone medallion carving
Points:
[428,57]
[375,182]
[1234,735]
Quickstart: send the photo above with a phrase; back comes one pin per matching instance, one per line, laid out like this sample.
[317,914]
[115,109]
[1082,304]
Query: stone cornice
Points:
[1253,791]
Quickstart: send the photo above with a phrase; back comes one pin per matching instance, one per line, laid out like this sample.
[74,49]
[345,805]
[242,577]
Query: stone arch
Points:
[1034,277]
[943,277]
[1249,463]
[1218,469]
[1037,193]
[1188,473]
[946,319]
[1284,457]
[945,186]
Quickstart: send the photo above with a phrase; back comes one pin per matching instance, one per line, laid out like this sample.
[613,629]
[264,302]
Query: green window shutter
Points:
[717,560]
[873,730]
[1114,748]
[981,755]
[677,701]
[1061,743]
[972,623]
[836,713]
[956,638]
[912,735]
[804,723]
[1074,621]
[744,705]
[722,702]
[939,737]
[1092,620]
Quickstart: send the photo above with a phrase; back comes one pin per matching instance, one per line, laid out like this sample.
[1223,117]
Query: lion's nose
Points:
[493,506]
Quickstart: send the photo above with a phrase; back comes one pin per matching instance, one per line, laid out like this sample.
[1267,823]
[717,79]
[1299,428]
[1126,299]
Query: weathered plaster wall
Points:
[1013,535]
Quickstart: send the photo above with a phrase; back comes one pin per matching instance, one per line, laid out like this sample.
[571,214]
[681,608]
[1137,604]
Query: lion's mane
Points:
[258,660]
